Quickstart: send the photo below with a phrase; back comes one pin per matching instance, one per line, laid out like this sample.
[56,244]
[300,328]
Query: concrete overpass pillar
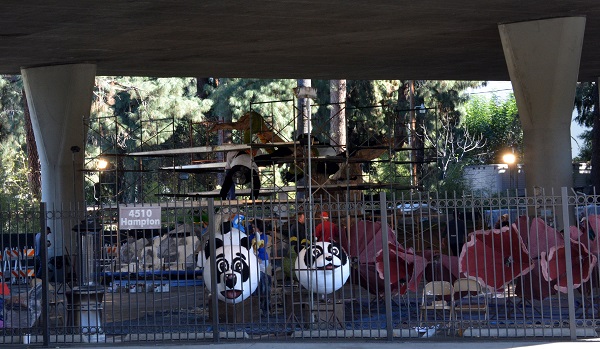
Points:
[59,99]
[543,61]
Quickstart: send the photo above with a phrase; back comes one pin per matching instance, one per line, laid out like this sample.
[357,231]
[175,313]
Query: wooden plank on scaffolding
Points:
[170,204]
[238,192]
[289,189]
[197,168]
[192,150]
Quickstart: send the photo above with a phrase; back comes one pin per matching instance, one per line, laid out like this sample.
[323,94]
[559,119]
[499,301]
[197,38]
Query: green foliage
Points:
[586,101]
[14,188]
[445,137]
[11,107]
[388,171]
[270,98]
[137,113]
[143,110]
[497,120]
[585,150]
[453,180]
[586,95]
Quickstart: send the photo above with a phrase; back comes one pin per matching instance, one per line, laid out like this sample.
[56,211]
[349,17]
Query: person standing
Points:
[37,247]
[326,231]
[259,240]
[240,169]
[502,222]
[56,259]
[456,232]
[298,236]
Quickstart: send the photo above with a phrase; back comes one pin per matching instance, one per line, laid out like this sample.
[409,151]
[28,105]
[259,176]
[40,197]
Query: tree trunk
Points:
[337,122]
[201,83]
[416,140]
[34,177]
[304,112]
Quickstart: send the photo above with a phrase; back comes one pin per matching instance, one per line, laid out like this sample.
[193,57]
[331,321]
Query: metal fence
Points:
[402,267]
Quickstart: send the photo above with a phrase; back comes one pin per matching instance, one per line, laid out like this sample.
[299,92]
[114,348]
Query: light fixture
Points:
[101,164]
[509,158]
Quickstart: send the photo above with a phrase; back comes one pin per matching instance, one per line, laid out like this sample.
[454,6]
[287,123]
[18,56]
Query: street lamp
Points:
[510,159]
[101,164]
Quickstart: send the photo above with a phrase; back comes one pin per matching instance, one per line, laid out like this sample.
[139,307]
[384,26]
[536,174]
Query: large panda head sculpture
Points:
[236,273]
[236,233]
[233,233]
[322,267]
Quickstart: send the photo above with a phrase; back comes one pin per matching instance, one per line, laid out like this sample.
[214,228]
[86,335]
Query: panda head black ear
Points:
[207,249]
[218,243]
[245,242]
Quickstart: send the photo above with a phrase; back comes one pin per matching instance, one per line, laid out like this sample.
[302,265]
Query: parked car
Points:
[584,211]
[419,213]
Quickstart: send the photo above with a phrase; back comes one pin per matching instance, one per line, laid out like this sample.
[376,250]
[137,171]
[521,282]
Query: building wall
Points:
[495,178]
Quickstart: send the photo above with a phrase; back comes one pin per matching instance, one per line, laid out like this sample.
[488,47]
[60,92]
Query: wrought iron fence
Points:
[400,267]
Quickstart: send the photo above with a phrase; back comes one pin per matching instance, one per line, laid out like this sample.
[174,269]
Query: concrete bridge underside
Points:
[60,47]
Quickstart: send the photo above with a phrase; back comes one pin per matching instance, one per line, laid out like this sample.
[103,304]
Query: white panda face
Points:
[236,273]
[322,267]
[233,237]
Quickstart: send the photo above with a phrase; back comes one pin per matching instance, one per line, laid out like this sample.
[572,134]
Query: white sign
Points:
[139,218]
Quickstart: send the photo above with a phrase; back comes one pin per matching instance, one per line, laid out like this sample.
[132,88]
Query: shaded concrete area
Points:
[440,40]
[416,344]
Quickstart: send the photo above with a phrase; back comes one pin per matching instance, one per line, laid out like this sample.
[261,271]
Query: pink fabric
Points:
[523,228]
[429,254]
[495,257]
[406,268]
[554,265]
[441,268]
[364,242]
[452,264]
[542,238]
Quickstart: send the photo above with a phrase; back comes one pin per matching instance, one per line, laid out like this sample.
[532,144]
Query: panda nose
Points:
[329,258]
[230,280]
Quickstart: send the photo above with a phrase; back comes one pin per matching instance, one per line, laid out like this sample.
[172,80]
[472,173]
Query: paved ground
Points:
[421,344]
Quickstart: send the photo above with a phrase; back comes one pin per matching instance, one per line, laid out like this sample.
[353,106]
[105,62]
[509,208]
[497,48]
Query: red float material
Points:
[554,265]
[406,268]
[495,257]
[542,237]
